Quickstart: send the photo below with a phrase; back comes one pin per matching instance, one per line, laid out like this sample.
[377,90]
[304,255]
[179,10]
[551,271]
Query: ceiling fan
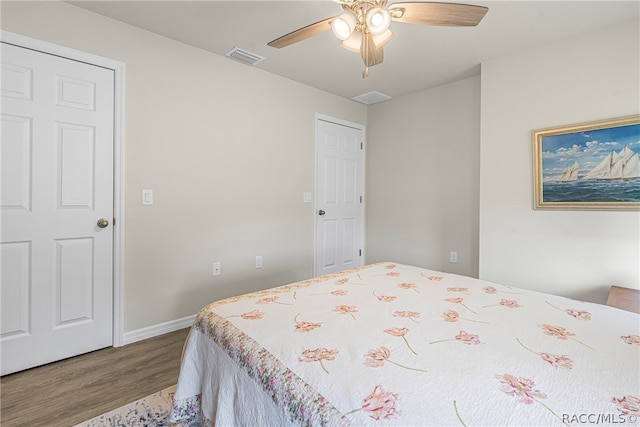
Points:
[364,26]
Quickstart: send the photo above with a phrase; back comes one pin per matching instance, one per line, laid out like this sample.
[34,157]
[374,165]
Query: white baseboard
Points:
[155,330]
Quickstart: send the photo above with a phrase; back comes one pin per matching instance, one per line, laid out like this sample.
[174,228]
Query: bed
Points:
[394,344]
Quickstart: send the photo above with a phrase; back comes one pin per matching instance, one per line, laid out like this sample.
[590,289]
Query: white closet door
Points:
[57,184]
[339,191]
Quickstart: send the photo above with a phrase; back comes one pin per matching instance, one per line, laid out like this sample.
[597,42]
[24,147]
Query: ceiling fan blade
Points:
[302,33]
[370,54]
[444,14]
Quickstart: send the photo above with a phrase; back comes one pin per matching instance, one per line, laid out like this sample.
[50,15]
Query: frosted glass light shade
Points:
[380,39]
[343,25]
[378,20]
[353,42]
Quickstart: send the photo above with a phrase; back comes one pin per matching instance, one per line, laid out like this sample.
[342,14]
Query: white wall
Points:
[573,253]
[227,149]
[216,147]
[422,178]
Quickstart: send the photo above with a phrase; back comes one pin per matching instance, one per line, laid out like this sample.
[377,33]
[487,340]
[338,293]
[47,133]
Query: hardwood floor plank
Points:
[70,391]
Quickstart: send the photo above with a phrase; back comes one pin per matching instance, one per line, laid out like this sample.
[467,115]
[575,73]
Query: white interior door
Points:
[57,184]
[339,193]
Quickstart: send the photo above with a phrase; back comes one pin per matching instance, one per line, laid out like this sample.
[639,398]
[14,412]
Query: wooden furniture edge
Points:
[624,298]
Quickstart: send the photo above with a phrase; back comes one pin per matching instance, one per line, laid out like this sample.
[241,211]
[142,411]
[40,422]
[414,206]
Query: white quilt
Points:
[392,344]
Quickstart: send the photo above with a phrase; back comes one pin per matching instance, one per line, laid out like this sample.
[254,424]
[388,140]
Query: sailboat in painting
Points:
[570,174]
[622,165]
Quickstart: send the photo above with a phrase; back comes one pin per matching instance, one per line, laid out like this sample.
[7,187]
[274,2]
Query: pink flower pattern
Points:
[318,355]
[631,339]
[509,303]
[408,286]
[459,301]
[346,309]
[466,338]
[561,362]
[384,298]
[305,326]
[522,388]
[555,360]
[400,332]
[252,315]
[560,333]
[453,316]
[579,314]
[576,314]
[267,300]
[407,314]
[397,332]
[556,331]
[380,404]
[375,358]
[628,405]
[270,300]
[450,316]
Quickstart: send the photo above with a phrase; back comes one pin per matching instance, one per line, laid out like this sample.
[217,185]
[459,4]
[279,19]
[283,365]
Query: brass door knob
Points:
[103,222]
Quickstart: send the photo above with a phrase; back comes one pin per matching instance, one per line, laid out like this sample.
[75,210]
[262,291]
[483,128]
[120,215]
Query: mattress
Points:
[394,344]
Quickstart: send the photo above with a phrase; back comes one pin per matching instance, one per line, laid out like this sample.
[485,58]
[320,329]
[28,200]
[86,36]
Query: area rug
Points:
[152,410]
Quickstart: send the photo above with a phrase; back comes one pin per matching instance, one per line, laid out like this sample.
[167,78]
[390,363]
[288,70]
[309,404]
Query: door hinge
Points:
[360,252]
[360,199]
[362,145]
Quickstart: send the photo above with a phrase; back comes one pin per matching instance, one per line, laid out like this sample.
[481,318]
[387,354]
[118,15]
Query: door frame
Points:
[362,128]
[118,159]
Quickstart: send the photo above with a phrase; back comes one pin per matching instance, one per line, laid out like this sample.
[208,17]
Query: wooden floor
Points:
[77,389]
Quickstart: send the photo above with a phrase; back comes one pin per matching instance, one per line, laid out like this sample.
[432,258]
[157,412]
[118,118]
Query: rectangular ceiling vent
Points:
[244,56]
[371,97]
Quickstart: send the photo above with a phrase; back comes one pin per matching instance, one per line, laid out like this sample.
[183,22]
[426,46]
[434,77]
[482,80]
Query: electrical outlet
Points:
[216,269]
[453,257]
[259,261]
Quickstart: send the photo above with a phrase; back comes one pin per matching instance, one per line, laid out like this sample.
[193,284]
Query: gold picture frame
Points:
[588,166]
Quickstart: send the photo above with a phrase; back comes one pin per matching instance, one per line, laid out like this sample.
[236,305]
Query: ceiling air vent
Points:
[371,97]
[244,56]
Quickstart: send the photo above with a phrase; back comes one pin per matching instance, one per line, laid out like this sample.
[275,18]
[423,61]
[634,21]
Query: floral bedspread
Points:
[392,344]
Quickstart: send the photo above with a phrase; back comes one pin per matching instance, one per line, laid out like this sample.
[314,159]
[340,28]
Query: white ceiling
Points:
[418,57]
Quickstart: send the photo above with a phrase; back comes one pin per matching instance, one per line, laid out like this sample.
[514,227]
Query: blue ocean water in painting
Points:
[592,191]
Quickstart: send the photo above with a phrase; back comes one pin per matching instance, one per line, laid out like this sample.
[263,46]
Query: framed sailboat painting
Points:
[588,166]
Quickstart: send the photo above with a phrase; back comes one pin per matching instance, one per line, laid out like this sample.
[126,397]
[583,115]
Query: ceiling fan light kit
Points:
[365,24]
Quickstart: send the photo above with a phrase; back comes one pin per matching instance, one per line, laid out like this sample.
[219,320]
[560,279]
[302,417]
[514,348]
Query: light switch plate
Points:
[306,197]
[147,197]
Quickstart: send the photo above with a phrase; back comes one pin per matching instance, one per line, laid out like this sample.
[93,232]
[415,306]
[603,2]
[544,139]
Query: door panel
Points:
[16,311]
[339,189]
[57,182]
